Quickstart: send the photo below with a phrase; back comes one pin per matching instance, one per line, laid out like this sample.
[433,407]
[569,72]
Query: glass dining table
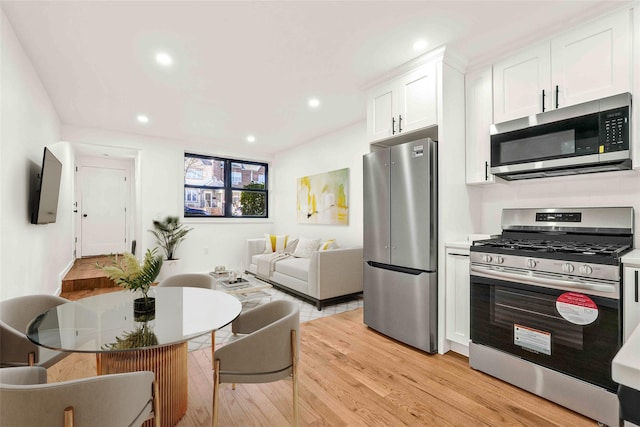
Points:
[124,341]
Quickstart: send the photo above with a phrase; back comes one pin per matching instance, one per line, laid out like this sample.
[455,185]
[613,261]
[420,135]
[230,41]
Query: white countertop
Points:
[625,368]
[632,257]
[458,245]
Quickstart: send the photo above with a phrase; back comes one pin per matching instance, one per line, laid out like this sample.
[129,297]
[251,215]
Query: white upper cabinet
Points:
[417,100]
[592,61]
[479,117]
[521,84]
[381,105]
[404,104]
[589,62]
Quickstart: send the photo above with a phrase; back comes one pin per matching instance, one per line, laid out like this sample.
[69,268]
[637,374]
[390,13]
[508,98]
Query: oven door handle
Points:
[543,281]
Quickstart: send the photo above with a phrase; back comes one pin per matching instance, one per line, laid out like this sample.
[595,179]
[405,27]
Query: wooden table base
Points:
[169,363]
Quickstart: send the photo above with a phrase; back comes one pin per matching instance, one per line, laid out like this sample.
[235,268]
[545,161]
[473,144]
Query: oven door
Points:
[571,332]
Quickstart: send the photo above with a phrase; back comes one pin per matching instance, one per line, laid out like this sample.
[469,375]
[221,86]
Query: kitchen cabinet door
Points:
[457,296]
[592,61]
[519,82]
[417,99]
[631,299]
[479,117]
[403,104]
[381,106]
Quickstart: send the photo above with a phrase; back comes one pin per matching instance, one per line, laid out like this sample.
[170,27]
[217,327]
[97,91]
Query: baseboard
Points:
[63,274]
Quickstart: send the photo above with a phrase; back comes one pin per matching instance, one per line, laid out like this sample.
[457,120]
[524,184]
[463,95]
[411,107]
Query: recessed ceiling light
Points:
[251,138]
[163,58]
[142,118]
[420,45]
[314,102]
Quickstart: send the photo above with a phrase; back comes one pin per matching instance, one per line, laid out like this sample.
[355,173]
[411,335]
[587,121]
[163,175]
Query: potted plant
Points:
[127,272]
[169,234]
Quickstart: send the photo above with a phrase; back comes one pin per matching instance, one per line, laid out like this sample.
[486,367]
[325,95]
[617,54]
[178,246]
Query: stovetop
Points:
[589,235]
[579,251]
[585,248]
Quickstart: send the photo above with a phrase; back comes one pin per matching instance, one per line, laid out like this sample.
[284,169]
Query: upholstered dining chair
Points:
[268,352]
[15,315]
[108,400]
[192,280]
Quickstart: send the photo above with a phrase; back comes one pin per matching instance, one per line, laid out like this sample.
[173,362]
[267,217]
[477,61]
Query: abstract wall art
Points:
[324,198]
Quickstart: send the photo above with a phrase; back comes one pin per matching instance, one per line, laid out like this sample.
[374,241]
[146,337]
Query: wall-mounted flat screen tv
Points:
[45,207]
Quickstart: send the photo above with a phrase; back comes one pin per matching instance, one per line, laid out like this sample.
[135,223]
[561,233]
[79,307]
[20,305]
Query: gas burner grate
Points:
[555,246]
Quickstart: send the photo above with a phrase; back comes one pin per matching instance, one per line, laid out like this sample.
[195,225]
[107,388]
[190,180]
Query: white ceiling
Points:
[249,67]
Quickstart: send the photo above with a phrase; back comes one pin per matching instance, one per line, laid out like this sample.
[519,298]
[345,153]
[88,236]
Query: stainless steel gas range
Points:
[546,304]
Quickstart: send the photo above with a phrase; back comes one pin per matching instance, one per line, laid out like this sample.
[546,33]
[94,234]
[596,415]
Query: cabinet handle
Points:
[486,171]
[399,123]
[455,254]
[393,125]
[636,285]
[557,92]
[543,95]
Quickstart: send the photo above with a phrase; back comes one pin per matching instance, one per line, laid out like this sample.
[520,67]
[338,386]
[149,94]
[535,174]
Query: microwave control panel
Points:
[614,130]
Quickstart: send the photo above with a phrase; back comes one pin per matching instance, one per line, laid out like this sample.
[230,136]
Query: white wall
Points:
[337,150]
[32,257]
[602,189]
[160,188]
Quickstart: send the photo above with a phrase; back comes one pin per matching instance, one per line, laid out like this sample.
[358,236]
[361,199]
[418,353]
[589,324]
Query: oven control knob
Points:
[499,260]
[568,267]
[486,258]
[531,263]
[585,269]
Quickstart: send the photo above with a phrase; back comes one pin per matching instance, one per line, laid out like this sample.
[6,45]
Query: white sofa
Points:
[325,277]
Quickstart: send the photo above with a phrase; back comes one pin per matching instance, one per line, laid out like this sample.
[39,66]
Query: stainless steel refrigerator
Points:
[400,243]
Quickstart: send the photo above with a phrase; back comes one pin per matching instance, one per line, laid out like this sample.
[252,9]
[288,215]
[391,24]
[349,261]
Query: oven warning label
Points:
[532,339]
[577,308]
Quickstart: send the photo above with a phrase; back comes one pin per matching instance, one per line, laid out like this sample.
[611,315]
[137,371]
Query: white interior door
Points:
[103,210]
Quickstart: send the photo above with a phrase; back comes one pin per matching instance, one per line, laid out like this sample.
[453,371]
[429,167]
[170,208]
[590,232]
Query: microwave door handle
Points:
[543,281]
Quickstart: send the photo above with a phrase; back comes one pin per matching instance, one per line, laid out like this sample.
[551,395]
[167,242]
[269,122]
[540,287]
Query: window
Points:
[219,187]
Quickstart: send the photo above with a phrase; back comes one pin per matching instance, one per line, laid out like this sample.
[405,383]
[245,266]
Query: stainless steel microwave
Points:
[591,137]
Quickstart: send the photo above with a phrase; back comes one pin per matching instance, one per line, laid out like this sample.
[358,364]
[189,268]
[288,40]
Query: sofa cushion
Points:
[294,267]
[327,245]
[305,247]
[275,243]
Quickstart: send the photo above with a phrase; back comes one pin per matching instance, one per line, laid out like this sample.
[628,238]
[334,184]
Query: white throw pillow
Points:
[305,247]
[275,243]
[291,246]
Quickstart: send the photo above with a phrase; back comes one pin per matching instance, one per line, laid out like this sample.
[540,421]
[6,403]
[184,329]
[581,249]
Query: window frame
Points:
[228,188]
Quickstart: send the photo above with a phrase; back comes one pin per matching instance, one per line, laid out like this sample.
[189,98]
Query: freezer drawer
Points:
[402,304]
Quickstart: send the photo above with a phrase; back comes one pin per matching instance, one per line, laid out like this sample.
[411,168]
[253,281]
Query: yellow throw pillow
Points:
[328,245]
[275,243]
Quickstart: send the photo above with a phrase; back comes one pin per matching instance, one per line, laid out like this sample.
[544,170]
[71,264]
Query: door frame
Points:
[128,165]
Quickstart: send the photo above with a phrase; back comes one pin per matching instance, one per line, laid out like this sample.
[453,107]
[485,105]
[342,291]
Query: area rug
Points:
[307,312]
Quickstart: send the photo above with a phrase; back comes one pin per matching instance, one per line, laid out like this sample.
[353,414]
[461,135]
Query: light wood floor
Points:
[353,376]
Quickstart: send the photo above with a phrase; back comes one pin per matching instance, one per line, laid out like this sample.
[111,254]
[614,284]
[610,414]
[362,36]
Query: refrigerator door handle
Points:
[397,268]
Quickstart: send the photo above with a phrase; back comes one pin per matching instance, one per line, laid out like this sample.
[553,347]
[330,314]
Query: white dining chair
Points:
[126,399]
[15,315]
[267,352]
[192,280]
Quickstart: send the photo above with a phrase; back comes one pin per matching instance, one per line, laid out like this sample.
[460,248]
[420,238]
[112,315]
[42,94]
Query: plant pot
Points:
[144,309]
[170,267]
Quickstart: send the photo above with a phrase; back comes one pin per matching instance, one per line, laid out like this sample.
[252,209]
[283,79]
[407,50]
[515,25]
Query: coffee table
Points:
[246,288]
